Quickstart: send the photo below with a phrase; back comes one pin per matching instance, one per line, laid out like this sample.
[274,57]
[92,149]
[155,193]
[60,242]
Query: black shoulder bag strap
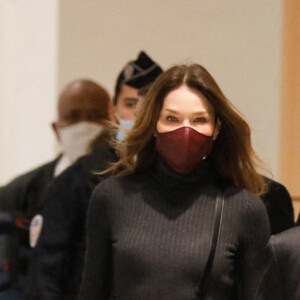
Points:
[219,205]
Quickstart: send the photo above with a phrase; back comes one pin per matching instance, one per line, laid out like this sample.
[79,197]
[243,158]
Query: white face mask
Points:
[76,138]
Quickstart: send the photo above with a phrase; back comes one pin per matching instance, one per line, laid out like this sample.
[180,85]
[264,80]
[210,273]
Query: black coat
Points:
[279,206]
[281,280]
[21,199]
[24,192]
[55,272]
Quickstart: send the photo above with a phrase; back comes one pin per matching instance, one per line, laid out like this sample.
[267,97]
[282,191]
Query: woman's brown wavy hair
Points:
[232,153]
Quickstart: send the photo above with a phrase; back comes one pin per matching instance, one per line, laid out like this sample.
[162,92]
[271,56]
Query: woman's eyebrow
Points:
[202,112]
[172,111]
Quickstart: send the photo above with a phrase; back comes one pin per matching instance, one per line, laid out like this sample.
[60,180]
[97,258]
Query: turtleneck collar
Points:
[165,176]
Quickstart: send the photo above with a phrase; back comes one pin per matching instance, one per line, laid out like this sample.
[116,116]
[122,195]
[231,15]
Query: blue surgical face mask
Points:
[126,124]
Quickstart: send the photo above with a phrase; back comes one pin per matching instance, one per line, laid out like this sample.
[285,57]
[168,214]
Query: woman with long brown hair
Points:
[179,218]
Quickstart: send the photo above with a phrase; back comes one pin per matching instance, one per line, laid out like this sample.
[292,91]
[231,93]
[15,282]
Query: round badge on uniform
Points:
[35,230]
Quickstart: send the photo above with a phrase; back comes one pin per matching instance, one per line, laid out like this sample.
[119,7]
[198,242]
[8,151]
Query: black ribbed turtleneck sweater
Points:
[148,238]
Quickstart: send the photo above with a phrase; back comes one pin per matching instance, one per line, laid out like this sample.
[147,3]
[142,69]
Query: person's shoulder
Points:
[272,184]
[249,205]
[241,195]
[98,160]
[275,190]
[46,166]
[287,239]
[251,214]
[118,184]
[37,172]
[116,180]
[26,188]
[35,177]
[285,248]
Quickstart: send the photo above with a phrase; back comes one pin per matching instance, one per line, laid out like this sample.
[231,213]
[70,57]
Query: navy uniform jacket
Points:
[21,198]
[59,255]
[281,280]
[279,206]
[23,193]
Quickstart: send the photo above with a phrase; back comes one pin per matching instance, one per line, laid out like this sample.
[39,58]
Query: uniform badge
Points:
[35,230]
[128,71]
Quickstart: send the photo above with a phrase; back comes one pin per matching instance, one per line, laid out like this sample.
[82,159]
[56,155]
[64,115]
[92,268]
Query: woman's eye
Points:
[200,120]
[172,119]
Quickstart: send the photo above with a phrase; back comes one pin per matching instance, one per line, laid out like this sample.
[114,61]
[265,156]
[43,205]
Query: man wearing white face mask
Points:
[62,240]
[82,115]
[83,112]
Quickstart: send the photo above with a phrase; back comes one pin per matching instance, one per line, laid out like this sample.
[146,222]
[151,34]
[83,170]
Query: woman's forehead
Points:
[186,99]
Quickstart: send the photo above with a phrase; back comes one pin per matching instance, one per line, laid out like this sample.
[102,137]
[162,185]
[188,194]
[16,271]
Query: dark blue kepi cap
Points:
[141,72]
[138,73]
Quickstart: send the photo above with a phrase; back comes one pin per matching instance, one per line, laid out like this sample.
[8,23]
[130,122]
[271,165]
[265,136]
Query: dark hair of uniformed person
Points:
[232,154]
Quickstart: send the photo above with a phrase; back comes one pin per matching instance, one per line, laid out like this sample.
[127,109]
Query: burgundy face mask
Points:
[183,149]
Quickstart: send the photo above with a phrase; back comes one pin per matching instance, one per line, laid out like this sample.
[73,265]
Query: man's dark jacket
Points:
[281,280]
[279,206]
[23,193]
[20,198]
[59,256]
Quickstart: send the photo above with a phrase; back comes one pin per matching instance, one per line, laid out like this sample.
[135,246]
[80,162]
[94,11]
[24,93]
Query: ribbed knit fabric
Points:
[148,238]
